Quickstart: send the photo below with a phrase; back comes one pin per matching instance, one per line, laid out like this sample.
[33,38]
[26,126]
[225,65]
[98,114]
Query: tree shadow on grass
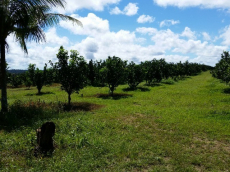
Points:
[116,96]
[81,106]
[226,91]
[185,77]
[153,84]
[219,115]
[30,113]
[143,89]
[168,82]
[42,93]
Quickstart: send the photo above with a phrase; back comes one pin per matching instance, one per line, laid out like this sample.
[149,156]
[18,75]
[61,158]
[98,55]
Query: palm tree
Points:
[25,19]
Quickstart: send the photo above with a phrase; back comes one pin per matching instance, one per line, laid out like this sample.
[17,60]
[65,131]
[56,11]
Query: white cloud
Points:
[116,11]
[168,41]
[100,42]
[92,25]
[226,36]
[52,37]
[126,44]
[130,10]
[192,3]
[97,5]
[38,53]
[169,23]
[123,44]
[206,36]
[188,33]
[146,30]
[145,19]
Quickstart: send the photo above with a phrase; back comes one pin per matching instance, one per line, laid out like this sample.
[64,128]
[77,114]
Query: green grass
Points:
[174,126]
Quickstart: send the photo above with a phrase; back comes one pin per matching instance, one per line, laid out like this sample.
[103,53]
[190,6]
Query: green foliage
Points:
[31,73]
[26,21]
[222,68]
[92,72]
[154,70]
[28,83]
[135,75]
[15,80]
[101,73]
[40,78]
[49,76]
[96,73]
[72,71]
[115,72]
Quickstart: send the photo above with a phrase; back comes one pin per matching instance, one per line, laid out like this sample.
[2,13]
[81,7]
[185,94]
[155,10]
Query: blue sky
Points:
[134,30]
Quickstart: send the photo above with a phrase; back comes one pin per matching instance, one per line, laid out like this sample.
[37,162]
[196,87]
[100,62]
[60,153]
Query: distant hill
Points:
[16,71]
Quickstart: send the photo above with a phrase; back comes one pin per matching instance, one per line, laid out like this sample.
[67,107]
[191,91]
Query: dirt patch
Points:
[212,145]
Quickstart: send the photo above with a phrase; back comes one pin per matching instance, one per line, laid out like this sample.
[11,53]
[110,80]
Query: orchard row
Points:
[74,73]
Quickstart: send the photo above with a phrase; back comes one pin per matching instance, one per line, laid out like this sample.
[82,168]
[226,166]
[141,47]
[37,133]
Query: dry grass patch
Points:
[212,145]
[132,119]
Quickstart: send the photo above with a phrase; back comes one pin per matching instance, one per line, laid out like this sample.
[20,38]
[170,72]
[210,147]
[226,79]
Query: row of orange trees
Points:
[74,73]
[222,68]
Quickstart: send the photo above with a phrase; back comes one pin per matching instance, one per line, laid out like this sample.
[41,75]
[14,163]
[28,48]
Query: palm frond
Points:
[52,19]
[23,35]
[51,3]
[26,19]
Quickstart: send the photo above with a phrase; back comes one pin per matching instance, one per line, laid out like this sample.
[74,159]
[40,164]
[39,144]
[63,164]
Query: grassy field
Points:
[173,126]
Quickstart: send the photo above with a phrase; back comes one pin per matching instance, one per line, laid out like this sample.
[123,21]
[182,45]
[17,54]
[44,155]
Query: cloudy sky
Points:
[134,30]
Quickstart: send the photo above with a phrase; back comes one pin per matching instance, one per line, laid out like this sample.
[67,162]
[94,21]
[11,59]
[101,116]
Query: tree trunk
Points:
[112,90]
[3,78]
[69,98]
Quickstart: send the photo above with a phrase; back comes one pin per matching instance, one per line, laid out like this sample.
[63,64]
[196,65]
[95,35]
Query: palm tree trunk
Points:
[3,78]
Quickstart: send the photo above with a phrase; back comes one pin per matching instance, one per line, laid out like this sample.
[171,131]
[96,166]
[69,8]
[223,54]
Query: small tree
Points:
[100,73]
[72,71]
[31,73]
[49,76]
[222,68]
[27,82]
[115,69]
[26,79]
[40,78]
[91,73]
[15,80]
[135,75]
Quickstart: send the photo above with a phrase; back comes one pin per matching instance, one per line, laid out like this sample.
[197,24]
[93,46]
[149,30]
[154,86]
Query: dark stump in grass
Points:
[45,138]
